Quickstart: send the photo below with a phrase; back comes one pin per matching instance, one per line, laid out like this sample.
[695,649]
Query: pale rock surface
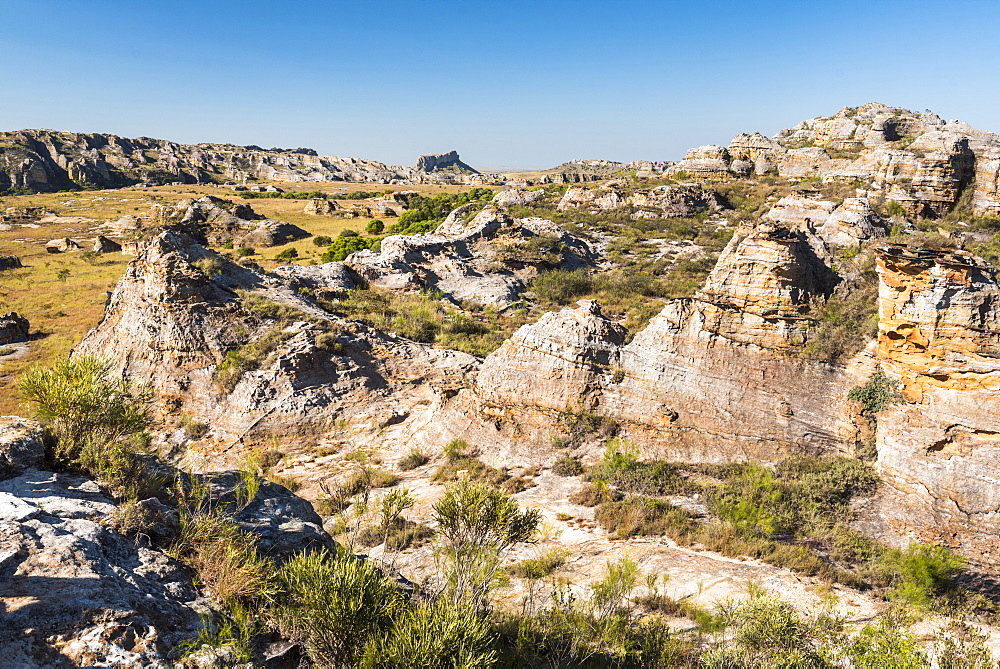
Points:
[517,196]
[64,245]
[77,593]
[21,445]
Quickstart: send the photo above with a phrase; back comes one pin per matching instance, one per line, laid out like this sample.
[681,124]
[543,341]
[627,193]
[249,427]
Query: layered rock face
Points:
[699,382]
[939,333]
[916,159]
[48,160]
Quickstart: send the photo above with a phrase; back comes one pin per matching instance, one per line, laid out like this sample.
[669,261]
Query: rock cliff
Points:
[939,333]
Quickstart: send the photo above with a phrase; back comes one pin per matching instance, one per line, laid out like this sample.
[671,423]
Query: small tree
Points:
[375,227]
[477,523]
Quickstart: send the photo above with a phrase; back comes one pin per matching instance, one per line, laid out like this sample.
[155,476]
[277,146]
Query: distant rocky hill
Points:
[435,163]
[49,160]
[916,159]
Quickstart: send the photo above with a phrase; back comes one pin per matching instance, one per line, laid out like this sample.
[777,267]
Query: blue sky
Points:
[507,84]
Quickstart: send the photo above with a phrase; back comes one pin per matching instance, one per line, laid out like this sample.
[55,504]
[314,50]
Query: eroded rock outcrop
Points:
[487,259]
[214,221]
[939,333]
[77,593]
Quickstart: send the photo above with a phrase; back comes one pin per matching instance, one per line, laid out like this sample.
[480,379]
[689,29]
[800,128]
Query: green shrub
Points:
[375,227]
[342,246]
[335,605]
[845,323]
[539,567]
[81,400]
[322,240]
[567,466]
[415,458]
[477,524]
[595,493]
[288,254]
[642,516]
[924,572]
[877,394]
[347,232]
[245,251]
[432,635]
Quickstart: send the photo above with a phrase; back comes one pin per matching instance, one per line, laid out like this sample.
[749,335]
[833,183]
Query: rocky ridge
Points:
[49,160]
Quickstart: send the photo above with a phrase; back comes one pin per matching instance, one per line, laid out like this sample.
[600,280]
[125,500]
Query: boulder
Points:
[64,245]
[105,245]
[21,445]
[328,281]
[319,206]
[75,592]
[13,328]
[9,262]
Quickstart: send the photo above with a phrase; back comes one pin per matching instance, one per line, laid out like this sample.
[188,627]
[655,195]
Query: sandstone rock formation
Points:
[443,162]
[64,245]
[489,259]
[170,324]
[76,592]
[13,328]
[9,262]
[848,224]
[939,333]
[208,220]
[320,206]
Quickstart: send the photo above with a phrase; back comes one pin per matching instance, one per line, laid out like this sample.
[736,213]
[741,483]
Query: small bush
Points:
[642,516]
[595,493]
[193,429]
[924,572]
[347,232]
[209,265]
[375,227]
[245,251]
[342,246]
[322,240]
[567,466]
[334,604]
[82,400]
[290,253]
[415,458]
[539,567]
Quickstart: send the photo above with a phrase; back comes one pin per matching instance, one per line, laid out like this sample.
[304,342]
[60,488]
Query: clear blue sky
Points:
[507,84]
